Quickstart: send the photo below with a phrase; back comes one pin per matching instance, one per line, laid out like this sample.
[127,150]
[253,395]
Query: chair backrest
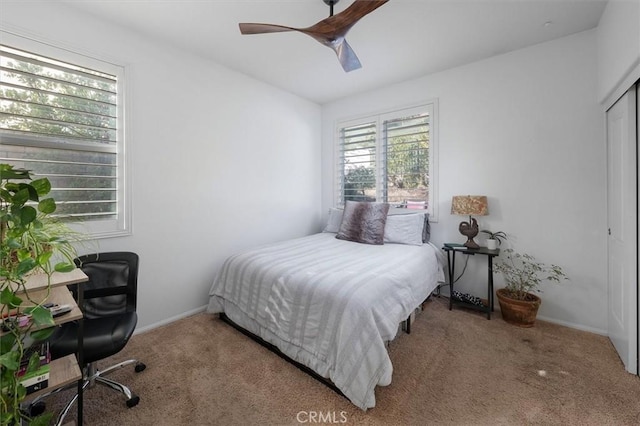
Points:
[113,283]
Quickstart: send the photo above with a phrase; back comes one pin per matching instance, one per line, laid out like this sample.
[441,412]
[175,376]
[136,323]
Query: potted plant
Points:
[523,275]
[30,241]
[494,239]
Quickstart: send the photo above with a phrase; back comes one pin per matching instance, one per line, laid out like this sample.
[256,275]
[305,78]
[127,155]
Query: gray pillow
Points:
[363,222]
[426,231]
[334,221]
[404,229]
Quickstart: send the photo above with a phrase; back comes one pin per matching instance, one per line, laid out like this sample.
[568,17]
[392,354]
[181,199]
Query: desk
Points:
[67,369]
[451,264]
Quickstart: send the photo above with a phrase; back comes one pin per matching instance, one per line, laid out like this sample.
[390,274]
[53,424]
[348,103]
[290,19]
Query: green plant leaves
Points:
[524,274]
[43,258]
[7,342]
[20,197]
[64,267]
[40,316]
[43,334]
[34,362]
[25,266]
[42,420]
[30,240]
[42,186]
[8,172]
[10,360]
[12,243]
[9,298]
[27,215]
[47,206]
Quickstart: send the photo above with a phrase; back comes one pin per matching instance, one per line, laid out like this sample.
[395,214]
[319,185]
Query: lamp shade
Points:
[470,205]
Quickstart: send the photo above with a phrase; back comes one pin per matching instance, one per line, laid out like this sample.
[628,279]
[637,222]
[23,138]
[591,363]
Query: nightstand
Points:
[451,264]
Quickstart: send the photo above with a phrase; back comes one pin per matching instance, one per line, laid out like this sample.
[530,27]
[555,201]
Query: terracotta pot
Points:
[518,312]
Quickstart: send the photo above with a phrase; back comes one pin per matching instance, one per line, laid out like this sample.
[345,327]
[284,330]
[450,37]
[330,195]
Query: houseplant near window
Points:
[523,275]
[494,239]
[30,241]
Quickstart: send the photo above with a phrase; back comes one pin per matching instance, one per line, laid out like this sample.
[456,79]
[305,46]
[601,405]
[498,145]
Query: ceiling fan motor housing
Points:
[330,3]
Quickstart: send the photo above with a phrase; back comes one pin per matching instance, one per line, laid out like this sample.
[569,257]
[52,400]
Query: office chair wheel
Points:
[36,409]
[135,399]
[140,367]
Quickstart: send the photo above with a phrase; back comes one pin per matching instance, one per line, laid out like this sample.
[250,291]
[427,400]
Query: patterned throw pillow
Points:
[363,222]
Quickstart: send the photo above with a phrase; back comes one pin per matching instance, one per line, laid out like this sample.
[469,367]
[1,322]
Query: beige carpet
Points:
[455,368]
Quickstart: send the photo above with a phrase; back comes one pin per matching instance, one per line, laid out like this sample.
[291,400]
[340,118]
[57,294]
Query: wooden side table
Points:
[451,264]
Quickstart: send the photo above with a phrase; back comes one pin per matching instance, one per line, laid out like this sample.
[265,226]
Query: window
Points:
[389,158]
[61,116]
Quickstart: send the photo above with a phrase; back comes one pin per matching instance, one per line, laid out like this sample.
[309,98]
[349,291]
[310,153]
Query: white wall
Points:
[219,161]
[618,49]
[525,129]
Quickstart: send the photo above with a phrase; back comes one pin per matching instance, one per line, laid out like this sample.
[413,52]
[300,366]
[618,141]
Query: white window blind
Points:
[63,121]
[358,169]
[388,158]
[406,171]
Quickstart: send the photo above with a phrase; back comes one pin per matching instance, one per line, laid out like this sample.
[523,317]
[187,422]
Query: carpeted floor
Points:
[455,368]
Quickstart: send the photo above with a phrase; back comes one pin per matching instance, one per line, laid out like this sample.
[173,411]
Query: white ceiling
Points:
[401,40]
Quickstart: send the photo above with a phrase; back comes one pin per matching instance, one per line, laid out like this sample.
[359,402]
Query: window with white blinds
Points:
[61,118]
[389,158]
[358,155]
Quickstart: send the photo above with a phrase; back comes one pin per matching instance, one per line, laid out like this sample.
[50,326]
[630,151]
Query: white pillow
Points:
[404,229]
[334,221]
[417,205]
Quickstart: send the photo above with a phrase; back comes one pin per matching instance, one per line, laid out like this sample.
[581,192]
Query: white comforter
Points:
[329,304]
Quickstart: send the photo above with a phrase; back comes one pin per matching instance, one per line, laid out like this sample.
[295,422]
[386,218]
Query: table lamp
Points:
[469,205]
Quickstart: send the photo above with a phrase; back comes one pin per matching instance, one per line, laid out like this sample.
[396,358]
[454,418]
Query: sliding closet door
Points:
[622,194]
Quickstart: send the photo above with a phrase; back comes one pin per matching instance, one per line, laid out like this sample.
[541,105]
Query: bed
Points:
[329,304]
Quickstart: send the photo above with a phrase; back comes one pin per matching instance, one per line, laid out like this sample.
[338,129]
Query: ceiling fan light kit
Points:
[330,31]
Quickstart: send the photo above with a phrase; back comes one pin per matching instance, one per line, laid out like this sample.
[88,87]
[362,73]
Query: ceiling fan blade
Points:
[330,31]
[346,55]
[338,25]
[250,28]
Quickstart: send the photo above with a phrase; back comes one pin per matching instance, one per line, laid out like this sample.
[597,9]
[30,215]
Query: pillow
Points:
[417,205]
[426,230]
[334,220]
[363,222]
[404,229]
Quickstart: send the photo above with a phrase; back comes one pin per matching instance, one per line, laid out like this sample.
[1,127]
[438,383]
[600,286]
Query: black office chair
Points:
[109,308]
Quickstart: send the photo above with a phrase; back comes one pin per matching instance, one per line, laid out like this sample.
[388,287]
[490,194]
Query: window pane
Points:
[357,163]
[83,182]
[389,158]
[407,159]
[42,96]
[60,121]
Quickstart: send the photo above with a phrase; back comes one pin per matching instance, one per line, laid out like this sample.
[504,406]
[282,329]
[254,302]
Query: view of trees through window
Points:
[392,168]
[60,121]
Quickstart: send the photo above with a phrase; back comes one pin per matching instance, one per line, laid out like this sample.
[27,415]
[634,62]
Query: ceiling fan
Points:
[330,31]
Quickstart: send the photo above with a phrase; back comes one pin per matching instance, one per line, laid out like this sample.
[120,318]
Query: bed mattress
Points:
[329,304]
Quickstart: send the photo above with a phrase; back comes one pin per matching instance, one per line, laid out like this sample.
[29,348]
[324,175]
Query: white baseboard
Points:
[573,325]
[202,309]
[169,320]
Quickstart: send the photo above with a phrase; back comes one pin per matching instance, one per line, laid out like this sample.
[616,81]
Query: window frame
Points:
[431,107]
[95,229]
